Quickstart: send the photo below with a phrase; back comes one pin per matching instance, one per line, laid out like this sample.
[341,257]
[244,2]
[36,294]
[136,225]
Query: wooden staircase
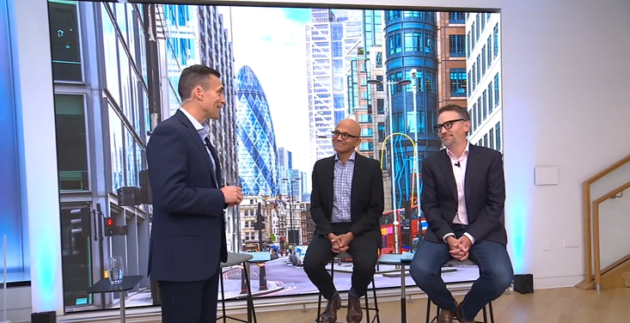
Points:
[614,276]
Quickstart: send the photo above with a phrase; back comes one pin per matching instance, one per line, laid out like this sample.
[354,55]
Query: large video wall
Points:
[290,76]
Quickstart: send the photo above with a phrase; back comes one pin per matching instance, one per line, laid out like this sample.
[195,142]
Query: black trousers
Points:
[190,302]
[363,250]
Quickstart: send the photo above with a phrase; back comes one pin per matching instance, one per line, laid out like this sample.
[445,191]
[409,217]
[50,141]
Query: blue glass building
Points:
[410,37]
[257,152]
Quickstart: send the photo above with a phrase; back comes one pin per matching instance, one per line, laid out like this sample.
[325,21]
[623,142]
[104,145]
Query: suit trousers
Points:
[190,302]
[364,252]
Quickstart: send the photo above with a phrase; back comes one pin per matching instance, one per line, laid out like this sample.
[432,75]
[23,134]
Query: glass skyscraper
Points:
[410,37]
[332,40]
[257,151]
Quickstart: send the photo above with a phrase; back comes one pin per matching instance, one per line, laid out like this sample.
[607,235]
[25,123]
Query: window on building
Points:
[497,134]
[485,104]
[495,35]
[72,154]
[489,53]
[485,141]
[379,86]
[379,59]
[457,45]
[65,41]
[468,84]
[381,131]
[394,44]
[496,90]
[491,138]
[483,60]
[366,132]
[468,45]
[479,115]
[366,146]
[429,43]
[490,102]
[393,14]
[415,122]
[475,117]
[413,42]
[456,18]
[365,118]
[458,82]
[380,106]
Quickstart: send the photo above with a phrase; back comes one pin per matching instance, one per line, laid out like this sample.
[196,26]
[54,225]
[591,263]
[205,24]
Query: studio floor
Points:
[561,305]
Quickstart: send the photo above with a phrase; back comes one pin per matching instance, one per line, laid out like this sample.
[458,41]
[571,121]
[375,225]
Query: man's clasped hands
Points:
[459,248]
[340,243]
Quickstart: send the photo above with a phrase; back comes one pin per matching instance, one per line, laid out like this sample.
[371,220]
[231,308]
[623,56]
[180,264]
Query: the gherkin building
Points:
[257,153]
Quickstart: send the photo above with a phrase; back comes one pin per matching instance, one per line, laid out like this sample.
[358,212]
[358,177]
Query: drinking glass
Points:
[116,270]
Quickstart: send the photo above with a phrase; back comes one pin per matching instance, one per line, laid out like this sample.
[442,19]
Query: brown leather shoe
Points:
[355,313]
[445,316]
[330,314]
[459,315]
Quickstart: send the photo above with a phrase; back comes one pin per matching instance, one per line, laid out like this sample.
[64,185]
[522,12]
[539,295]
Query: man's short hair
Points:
[193,76]
[463,113]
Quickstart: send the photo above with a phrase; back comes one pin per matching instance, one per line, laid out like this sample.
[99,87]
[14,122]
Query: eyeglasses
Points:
[343,135]
[447,125]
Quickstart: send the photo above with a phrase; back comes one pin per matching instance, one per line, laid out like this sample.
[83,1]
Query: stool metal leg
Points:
[428,320]
[485,315]
[251,313]
[223,299]
[376,309]
[491,312]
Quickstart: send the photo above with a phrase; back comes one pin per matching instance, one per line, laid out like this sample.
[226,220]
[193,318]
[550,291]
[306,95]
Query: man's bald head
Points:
[350,126]
[347,136]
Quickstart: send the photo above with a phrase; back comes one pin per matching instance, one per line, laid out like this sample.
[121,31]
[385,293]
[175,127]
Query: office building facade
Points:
[484,79]
[451,49]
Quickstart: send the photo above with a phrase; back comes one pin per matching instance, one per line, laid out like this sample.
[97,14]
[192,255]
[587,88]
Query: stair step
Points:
[626,278]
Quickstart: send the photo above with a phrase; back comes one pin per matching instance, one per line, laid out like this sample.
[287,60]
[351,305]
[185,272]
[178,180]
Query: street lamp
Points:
[290,183]
[414,73]
[391,147]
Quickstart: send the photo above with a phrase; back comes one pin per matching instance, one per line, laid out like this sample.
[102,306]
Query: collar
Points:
[351,156]
[465,153]
[203,129]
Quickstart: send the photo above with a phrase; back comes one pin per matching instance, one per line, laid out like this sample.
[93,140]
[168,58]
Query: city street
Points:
[284,279]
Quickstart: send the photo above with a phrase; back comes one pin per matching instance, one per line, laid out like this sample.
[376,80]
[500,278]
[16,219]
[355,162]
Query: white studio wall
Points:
[564,67]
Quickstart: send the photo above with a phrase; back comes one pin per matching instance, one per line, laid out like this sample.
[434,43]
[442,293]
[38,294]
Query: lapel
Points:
[217,174]
[197,140]
[329,179]
[471,167]
[447,171]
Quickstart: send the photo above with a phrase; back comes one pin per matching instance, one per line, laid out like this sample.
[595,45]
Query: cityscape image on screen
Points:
[290,75]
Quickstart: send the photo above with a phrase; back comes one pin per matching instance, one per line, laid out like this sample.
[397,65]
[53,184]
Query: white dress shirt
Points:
[459,171]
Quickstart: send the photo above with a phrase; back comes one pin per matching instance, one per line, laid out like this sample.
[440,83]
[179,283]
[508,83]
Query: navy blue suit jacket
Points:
[188,229]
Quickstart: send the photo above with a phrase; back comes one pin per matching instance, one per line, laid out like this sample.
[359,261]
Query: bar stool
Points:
[367,307]
[485,313]
[241,259]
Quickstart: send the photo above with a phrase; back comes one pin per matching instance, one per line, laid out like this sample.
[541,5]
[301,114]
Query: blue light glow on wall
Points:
[10,209]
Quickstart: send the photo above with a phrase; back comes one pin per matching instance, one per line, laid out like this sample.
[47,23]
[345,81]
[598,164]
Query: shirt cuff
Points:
[472,240]
[446,236]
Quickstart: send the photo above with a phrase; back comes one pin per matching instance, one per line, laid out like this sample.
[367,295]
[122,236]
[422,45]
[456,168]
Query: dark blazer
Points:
[367,198]
[484,187]
[188,229]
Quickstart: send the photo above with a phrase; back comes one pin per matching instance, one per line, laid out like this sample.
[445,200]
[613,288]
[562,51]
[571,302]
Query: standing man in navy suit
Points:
[188,231]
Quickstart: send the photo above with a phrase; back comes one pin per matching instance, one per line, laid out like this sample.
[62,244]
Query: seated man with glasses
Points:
[346,204]
[462,200]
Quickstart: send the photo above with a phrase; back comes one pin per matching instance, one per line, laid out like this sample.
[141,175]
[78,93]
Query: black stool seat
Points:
[235,259]
[367,307]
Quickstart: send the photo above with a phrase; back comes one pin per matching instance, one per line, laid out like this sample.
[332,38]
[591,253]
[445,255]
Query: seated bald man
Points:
[346,205]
